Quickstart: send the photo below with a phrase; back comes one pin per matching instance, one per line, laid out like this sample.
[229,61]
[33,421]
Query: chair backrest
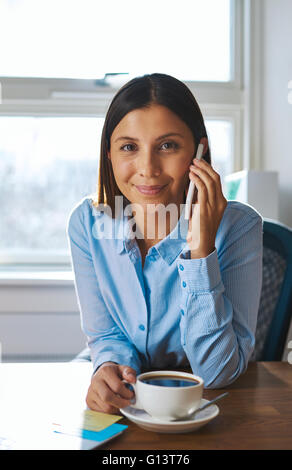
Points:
[275,310]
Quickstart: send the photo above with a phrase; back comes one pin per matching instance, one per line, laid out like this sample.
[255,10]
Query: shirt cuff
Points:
[199,275]
[121,360]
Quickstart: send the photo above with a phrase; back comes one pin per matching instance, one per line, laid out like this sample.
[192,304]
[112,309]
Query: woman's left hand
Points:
[207,211]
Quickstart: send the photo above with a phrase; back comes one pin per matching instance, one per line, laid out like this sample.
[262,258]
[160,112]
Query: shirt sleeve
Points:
[221,295]
[104,338]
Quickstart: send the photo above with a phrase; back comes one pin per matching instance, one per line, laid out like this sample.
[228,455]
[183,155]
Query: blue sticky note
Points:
[99,436]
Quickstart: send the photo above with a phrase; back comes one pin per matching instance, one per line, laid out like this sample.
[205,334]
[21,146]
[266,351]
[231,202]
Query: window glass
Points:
[51,164]
[189,39]
[47,165]
[220,134]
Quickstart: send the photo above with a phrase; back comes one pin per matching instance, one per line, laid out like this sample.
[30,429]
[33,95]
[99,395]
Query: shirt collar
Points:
[168,248]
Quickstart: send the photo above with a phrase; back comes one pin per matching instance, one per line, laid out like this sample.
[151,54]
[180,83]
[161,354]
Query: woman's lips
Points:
[150,189]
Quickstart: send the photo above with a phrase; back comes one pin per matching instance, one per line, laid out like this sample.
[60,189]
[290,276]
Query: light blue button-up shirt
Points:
[174,312]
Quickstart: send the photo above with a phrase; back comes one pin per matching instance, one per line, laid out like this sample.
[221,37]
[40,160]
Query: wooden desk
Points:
[257,414]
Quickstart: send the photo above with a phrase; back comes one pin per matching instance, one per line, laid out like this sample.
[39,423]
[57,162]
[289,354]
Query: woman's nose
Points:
[148,165]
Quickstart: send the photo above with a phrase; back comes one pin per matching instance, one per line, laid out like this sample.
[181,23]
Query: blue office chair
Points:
[275,310]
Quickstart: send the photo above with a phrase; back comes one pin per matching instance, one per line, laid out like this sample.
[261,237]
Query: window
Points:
[57,89]
[86,38]
[52,163]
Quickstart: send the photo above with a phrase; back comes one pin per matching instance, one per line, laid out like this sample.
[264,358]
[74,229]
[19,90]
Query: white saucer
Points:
[145,421]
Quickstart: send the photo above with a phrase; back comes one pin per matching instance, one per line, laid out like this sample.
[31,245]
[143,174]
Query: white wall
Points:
[39,321]
[276,112]
[276,123]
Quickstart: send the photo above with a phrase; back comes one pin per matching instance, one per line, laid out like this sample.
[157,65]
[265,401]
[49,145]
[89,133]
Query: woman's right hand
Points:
[107,391]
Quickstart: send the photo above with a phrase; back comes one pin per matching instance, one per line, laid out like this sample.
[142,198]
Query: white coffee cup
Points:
[164,402]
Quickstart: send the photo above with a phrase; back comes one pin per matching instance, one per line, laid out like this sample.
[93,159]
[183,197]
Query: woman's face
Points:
[152,147]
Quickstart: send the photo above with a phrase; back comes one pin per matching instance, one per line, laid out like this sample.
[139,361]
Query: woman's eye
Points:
[170,145]
[164,146]
[127,149]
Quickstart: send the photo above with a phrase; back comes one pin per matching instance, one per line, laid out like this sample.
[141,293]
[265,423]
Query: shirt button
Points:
[182,312]
[184,284]
[181,267]
[142,327]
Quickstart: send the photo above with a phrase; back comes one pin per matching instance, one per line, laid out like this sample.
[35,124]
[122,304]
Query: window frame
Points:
[89,98]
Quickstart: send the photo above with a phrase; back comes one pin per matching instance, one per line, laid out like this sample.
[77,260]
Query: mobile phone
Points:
[191,189]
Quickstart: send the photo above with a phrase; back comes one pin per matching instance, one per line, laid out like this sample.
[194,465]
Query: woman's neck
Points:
[153,226]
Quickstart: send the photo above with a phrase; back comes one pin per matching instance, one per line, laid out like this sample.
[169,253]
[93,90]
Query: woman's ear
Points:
[205,142]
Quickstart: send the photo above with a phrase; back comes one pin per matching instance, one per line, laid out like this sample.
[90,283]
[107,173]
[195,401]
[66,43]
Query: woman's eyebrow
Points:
[158,138]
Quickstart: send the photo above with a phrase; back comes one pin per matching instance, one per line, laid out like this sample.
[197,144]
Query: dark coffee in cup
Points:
[169,381]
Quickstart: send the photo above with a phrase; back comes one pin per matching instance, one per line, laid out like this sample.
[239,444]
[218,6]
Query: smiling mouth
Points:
[149,190]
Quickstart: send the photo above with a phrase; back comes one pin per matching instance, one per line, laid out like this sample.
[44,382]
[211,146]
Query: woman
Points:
[186,298]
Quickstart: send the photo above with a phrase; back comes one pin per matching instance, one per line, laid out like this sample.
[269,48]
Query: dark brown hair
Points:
[141,92]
